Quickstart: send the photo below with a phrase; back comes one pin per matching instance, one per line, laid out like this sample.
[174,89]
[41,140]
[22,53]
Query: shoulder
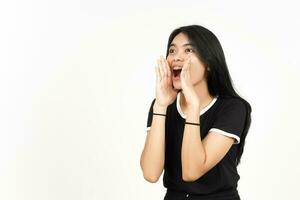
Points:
[231,106]
[230,118]
[230,103]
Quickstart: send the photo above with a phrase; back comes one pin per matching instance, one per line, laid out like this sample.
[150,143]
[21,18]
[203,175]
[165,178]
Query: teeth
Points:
[175,68]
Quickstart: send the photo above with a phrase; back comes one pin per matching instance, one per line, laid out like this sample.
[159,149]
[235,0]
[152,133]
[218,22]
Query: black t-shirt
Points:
[224,116]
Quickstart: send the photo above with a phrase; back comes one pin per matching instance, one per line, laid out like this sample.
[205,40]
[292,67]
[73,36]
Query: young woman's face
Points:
[178,53]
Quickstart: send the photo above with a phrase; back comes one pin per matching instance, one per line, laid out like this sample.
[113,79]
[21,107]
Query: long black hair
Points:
[210,52]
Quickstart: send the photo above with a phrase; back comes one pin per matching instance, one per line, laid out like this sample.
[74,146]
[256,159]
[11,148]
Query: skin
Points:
[197,156]
[195,92]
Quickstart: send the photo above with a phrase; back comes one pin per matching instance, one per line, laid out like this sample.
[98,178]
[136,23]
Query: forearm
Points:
[153,155]
[192,151]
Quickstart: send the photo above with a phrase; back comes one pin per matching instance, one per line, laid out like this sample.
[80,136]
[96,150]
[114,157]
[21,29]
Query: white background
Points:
[77,79]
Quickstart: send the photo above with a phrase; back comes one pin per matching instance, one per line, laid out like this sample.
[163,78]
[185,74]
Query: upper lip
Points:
[177,66]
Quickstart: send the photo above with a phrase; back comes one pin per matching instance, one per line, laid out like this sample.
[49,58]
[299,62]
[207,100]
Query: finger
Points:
[184,67]
[187,68]
[168,68]
[182,77]
[163,68]
[158,70]
[190,61]
[186,64]
[182,73]
[186,71]
[189,64]
[157,74]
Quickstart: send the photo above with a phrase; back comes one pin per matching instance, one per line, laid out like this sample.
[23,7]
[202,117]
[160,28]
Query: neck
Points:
[204,97]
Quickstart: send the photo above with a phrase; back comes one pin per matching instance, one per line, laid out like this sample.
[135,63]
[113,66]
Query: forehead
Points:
[181,40]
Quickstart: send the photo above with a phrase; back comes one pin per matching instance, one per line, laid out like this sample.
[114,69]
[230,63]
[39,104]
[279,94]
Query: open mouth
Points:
[176,73]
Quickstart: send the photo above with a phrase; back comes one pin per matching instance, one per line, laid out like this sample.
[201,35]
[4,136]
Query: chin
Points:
[177,86]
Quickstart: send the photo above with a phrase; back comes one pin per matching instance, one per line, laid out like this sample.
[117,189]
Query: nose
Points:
[178,57]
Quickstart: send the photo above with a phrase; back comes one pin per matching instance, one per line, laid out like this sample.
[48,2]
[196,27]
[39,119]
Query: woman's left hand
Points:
[187,86]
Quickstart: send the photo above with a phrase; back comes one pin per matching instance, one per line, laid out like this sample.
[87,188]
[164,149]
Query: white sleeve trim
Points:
[237,138]
[148,128]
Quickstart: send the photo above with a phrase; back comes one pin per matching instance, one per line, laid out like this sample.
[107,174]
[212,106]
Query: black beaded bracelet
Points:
[192,123]
[159,114]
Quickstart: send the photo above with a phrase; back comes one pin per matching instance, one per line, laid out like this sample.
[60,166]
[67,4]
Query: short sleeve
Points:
[230,119]
[150,114]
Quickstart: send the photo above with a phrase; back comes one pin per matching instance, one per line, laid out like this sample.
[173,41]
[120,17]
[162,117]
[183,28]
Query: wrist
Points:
[193,111]
[193,116]
[159,109]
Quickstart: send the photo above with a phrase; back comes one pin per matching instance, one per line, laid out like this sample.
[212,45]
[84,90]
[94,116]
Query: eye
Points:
[171,50]
[189,50]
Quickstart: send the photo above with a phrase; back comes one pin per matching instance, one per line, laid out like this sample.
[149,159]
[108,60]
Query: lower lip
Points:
[176,78]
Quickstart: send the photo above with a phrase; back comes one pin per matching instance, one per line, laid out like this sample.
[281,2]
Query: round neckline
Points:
[206,108]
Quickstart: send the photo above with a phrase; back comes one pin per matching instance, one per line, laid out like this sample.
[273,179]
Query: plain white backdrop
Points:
[77,79]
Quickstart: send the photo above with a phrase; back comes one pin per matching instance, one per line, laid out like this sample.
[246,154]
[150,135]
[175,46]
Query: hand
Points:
[165,93]
[187,86]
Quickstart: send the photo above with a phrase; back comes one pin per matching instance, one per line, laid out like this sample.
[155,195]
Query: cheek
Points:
[169,60]
[197,70]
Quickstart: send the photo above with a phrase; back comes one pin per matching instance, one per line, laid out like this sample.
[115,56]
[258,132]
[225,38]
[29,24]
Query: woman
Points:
[197,124]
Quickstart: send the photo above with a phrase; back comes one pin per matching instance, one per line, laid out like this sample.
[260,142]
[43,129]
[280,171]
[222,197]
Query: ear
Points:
[207,71]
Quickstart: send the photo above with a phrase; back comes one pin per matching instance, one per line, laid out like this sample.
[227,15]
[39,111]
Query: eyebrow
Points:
[186,44]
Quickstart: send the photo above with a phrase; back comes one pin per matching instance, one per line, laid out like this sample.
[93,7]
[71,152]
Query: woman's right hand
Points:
[165,93]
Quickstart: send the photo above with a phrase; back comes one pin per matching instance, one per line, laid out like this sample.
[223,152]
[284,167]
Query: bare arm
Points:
[153,155]
[198,156]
